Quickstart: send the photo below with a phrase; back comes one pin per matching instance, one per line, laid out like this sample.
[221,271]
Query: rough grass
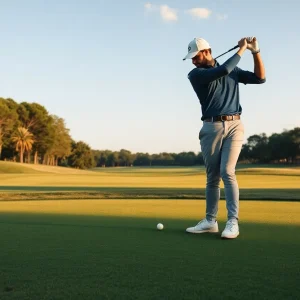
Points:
[19,193]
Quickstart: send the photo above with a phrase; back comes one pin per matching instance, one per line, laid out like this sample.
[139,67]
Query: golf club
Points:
[228,51]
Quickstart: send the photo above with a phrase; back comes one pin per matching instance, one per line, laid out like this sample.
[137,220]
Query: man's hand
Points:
[252,44]
[243,43]
[243,46]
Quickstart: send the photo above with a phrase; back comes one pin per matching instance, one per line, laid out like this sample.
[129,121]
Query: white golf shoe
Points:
[204,226]
[231,230]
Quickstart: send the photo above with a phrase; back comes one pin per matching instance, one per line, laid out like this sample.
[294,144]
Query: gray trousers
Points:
[221,144]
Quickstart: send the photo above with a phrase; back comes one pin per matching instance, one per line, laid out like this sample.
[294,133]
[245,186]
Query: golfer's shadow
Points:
[204,236]
[183,233]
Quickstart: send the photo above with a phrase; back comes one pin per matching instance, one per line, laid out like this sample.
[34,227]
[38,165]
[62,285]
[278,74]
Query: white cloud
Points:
[168,14]
[198,12]
[171,14]
[222,17]
[149,6]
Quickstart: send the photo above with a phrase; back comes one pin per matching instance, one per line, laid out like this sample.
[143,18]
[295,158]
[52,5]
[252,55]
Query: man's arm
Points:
[204,76]
[248,77]
[259,75]
[259,69]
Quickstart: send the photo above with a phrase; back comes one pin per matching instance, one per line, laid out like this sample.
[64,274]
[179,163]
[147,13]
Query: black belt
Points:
[222,118]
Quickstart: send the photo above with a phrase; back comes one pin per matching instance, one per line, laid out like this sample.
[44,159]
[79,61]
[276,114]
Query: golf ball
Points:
[160,226]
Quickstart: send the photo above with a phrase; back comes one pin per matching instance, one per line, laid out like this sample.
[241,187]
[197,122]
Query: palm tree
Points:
[24,140]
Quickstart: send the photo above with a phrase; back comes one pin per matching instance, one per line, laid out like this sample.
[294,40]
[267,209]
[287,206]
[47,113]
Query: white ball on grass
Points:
[160,226]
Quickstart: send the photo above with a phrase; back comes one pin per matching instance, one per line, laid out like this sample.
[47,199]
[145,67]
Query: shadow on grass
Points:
[46,256]
[18,193]
[145,225]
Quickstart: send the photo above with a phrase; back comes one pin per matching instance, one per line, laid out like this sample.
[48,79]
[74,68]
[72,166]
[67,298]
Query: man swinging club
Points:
[222,133]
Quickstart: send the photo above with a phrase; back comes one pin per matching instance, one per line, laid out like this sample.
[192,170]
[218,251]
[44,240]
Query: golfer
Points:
[222,133]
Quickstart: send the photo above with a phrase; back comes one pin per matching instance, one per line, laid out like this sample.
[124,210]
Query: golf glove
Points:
[252,44]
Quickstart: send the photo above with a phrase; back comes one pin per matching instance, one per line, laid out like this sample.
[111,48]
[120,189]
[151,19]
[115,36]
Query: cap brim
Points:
[191,55]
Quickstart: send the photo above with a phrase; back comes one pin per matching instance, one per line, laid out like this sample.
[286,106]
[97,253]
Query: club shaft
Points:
[235,47]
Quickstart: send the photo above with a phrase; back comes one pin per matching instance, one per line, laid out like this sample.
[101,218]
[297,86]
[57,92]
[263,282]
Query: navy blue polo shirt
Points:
[217,87]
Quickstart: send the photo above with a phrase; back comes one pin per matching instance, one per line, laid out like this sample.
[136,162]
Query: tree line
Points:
[29,134]
[281,147]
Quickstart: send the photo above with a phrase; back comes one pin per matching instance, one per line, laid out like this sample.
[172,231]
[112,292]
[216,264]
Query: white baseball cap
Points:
[196,45]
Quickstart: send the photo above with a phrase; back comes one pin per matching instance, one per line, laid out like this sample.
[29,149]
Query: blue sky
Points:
[114,70]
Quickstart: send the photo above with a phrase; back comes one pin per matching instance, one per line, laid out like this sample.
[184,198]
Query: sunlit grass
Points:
[251,211]
[116,180]
[15,168]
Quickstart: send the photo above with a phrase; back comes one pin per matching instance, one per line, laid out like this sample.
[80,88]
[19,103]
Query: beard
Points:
[202,63]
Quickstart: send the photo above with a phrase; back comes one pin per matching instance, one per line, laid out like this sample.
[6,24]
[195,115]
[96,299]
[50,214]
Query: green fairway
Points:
[110,249]
[148,183]
[101,242]
[12,175]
